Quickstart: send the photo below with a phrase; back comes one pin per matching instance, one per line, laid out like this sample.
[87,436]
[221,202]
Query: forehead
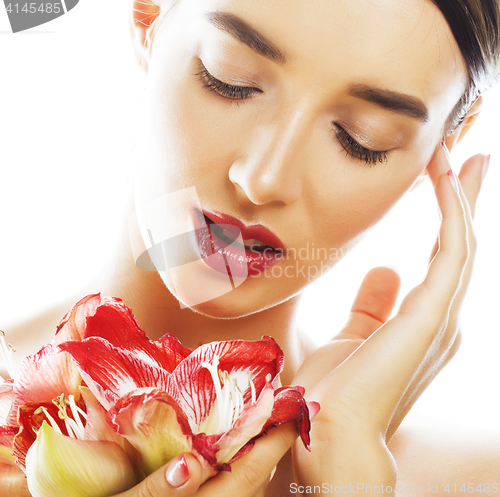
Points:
[404,46]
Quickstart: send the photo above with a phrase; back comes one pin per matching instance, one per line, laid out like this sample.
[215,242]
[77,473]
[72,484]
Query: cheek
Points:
[352,198]
[192,137]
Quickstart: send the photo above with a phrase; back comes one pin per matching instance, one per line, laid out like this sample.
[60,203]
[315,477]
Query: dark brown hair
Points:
[475,24]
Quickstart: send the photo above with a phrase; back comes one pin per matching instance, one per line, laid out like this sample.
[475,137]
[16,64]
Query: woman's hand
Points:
[365,397]
[249,476]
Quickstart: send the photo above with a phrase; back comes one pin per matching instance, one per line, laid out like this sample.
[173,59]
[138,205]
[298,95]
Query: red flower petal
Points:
[206,446]
[290,405]
[173,350]
[43,376]
[114,322]
[7,434]
[111,372]
[73,323]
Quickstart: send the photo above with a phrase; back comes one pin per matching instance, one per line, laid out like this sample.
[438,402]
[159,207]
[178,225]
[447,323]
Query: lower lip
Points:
[236,263]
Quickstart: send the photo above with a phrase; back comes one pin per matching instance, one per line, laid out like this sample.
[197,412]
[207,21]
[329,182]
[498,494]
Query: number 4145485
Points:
[33,8]
[487,488]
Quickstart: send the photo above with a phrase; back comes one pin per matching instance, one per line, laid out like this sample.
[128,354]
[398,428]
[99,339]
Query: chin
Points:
[238,303]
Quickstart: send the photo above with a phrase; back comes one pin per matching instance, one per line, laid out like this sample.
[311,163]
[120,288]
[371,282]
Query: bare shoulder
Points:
[434,457]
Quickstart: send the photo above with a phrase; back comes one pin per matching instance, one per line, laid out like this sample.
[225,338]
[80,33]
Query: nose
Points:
[272,167]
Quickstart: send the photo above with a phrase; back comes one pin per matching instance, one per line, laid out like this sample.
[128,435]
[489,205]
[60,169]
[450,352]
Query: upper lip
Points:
[257,231]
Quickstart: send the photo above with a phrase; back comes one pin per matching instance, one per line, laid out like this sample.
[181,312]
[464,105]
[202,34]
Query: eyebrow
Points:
[243,32]
[239,29]
[394,101]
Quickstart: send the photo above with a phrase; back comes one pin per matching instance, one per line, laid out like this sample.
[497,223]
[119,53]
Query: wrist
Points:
[345,458]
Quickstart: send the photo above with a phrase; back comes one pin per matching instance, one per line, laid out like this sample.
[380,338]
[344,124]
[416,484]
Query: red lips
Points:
[256,231]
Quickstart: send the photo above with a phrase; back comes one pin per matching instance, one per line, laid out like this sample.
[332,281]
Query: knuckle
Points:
[253,475]
[461,252]
[432,311]
[454,346]
[147,488]
[472,242]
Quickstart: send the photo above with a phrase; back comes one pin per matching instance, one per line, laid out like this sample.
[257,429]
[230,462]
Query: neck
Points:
[159,312]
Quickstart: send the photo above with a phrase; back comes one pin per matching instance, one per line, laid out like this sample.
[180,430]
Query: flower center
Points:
[229,403]
[73,425]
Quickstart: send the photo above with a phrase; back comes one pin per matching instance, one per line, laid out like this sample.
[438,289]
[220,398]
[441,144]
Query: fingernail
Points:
[313,408]
[446,151]
[486,165]
[453,180]
[178,472]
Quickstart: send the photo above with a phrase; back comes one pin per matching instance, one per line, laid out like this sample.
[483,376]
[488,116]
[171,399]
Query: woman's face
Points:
[309,118]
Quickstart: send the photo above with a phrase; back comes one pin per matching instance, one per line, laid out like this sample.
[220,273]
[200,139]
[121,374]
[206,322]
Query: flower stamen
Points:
[74,426]
[229,401]
[51,420]
[6,351]
[252,388]
[77,412]
[212,369]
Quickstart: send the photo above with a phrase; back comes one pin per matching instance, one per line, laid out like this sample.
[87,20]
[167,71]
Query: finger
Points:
[470,181]
[471,174]
[373,304]
[181,477]
[471,178]
[453,250]
[382,368]
[250,475]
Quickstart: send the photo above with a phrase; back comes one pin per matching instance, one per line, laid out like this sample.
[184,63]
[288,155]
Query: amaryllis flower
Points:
[146,402]
[166,399]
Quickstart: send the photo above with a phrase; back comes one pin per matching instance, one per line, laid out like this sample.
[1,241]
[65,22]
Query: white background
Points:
[67,94]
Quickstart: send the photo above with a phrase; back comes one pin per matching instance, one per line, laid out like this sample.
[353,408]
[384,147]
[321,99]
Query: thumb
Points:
[181,477]
[373,304]
[251,473]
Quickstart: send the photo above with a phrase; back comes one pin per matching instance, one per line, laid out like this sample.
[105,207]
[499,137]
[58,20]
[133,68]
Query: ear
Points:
[452,139]
[143,13]
[470,119]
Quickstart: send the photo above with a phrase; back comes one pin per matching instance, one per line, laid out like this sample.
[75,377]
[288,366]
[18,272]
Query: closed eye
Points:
[226,90]
[354,149]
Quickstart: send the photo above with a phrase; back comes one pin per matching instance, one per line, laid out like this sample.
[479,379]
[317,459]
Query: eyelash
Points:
[232,92]
[351,146]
